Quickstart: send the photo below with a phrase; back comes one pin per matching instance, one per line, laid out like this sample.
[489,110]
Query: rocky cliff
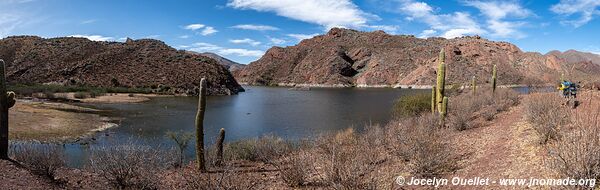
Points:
[345,57]
[136,63]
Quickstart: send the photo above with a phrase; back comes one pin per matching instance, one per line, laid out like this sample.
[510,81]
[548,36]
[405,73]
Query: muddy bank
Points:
[54,122]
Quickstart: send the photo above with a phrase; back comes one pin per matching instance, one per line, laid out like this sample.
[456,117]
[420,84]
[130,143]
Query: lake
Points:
[257,112]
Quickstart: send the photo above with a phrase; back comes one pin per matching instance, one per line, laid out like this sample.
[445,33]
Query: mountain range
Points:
[346,57]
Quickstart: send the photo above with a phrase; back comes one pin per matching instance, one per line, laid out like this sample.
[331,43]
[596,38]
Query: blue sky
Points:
[243,30]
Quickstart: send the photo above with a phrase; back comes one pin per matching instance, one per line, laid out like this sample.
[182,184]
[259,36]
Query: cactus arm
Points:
[220,141]
[200,127]
[441,79]
[433,102]
[4,105]
[444,111]
[494,77]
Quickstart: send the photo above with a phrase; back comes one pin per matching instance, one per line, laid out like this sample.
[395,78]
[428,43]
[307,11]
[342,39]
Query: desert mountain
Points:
[231,65]
[135,63]
[345,57]
[574,56]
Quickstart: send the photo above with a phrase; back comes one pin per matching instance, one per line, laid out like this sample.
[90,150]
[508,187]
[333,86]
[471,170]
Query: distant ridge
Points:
[231,65]
[135,63]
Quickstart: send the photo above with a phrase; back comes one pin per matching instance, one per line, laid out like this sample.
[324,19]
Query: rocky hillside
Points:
[345,57]
[574,56]
[136,63]
[231,65]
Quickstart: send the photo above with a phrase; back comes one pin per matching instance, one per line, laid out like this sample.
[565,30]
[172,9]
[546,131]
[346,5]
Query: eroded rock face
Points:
[135,63]
[345,57]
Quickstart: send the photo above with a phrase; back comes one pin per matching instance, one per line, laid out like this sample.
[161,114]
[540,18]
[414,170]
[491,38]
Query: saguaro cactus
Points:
[220,146]
[433,102]
[444,110]
[441,79]
[200,127]
[474,85]
[7,100]
[494,75]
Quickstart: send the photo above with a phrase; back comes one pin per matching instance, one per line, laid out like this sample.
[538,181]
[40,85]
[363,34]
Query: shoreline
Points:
[398,86]
[55,122]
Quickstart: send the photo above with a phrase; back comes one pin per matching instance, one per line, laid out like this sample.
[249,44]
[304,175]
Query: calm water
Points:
[258,111]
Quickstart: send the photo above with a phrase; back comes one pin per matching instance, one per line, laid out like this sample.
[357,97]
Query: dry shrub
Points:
[422,142]
[130,166]
[40,159]
[263,149]
[546,115]
[295,169]
[225,179]
[347,160]
[577,154]
[465,108]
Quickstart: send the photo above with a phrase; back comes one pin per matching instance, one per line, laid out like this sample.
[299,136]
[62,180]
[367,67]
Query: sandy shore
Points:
[54,122]
[112,98]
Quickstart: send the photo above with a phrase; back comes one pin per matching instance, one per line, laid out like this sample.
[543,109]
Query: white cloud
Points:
[392,29]
[500,9]
[204,47]
[93,37]
[450,25]
[255,27]
[208,31]
[245,41]
[497,11]
[300,37]
[427,33]
[242,52]
[194,26]
[152,36]
[276,41]
[184,36]
[327,13]
[587,9]
[89,21]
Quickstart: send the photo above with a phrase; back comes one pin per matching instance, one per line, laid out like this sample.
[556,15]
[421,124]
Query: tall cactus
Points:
[474,85]
[441,79]
[433,102]
[7,100]
[220,141]
[201,166]
[444,111]
[494,76]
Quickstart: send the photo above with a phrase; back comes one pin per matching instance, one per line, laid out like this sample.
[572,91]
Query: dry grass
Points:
[296,168]
[465,109]
[546,115]
[130,166]
[227,179]
[347,160]
[40,159]
[264,149]
[421,141]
